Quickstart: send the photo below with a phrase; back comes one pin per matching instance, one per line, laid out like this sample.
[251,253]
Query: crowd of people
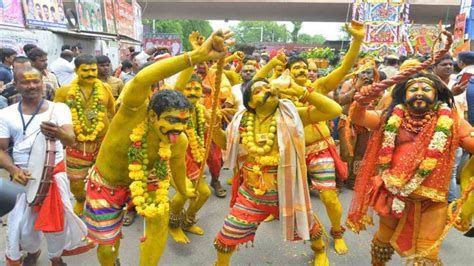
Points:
[131,133]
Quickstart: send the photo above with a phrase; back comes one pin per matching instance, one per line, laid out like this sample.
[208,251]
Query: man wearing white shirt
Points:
[54,219]
[63,68]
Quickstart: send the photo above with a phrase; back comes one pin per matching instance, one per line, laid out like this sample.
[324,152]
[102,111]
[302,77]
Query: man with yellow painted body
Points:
[180,219]
[272,179]
[467,178]
[128,164]
[321,168]
[92,107]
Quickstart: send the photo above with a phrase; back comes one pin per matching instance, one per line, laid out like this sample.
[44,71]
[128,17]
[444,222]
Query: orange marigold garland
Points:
[195,134]
[95,117]
[147,204]
[435,150]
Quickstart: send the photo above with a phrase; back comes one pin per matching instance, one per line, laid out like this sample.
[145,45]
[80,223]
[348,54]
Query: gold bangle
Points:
[190,61]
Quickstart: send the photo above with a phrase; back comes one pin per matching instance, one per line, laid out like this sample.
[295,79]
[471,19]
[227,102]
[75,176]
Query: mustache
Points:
[267,95]
[90,77]
[193,96]
[173,131]
[422,98]
[304,74]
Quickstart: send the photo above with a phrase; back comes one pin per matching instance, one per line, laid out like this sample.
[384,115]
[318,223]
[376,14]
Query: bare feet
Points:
[340,246]
[321,259]
[179,236]
[194,229]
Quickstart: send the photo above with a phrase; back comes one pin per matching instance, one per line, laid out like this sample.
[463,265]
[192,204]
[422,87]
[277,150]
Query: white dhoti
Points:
[21,234]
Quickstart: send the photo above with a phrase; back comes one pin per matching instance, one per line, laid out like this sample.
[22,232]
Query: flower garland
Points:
[435,150]
[195,135]
[259,149]
[147,204]
[79,119]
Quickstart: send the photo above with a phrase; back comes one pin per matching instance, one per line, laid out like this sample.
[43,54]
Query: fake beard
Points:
[414,104]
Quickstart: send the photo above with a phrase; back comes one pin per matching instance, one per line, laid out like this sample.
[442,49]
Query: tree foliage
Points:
[296,29]
[251,31]
[184,27]
[311,39]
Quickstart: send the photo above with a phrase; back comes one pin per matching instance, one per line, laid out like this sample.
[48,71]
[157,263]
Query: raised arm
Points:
[280,59]
[326,84]
[140,85]
[321,108]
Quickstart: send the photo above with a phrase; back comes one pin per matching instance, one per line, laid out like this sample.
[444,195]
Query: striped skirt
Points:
[245,216]
[79,158]
[104,209]
[321,170]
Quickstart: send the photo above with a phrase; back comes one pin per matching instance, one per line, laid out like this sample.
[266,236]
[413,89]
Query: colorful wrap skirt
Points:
[321,168]
[104,208]
[80,157]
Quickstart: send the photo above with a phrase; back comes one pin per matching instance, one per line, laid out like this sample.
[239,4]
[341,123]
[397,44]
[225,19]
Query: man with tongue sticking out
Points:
[144,148]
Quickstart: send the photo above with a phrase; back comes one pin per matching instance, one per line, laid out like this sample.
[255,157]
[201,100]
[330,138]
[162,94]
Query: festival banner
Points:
[11,13]
[459,29]
[124,18]
[44,13]
[170,40]
[385,22]
[422,38]
[108,7]
[89,14]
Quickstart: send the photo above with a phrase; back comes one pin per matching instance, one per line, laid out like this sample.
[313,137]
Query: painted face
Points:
[87,73]
[171,124]
[261,94]
[247,72]
[193,91]
[367,75]
[278,70]
[420,96]
[30,85]
[299,72]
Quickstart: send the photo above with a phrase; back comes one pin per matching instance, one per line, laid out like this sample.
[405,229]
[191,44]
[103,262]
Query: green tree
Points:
[296,29]
[255,31]
[184,27]
[311,39]
[343,34]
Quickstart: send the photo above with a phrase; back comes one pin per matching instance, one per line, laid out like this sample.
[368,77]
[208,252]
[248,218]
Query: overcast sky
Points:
[328,29]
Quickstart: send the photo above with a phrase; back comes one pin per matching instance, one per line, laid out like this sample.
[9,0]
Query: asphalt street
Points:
[269,247]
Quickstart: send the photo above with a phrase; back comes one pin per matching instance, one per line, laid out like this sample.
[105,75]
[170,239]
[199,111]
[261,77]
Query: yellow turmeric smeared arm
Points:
[321,108]
[326,84]
[139,87]
[183,79]
[177,165]
[280,59]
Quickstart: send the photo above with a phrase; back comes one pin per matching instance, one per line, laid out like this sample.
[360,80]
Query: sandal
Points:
[31,259]
[218,189]
[129,218]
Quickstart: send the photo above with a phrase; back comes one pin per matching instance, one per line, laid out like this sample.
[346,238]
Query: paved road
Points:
[269,248]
